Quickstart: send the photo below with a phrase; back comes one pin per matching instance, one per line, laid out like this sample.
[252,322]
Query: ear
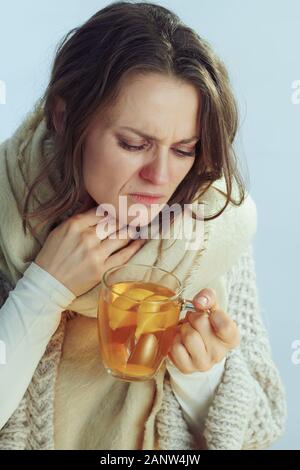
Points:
[59,115]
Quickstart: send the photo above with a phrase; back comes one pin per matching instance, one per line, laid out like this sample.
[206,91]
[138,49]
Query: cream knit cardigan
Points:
[248,409]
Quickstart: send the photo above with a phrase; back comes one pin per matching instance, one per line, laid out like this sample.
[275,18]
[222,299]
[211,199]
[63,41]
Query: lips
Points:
[146,199]
[148,194]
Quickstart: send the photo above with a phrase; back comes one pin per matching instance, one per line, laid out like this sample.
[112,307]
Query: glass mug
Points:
[138,313]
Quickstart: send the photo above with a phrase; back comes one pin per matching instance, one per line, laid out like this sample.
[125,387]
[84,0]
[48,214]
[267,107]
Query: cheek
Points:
[181,169]
[105,170]
[96,169]
[96,157]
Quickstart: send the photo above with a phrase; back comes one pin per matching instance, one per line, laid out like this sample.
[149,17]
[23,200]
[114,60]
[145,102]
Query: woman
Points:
[137,103]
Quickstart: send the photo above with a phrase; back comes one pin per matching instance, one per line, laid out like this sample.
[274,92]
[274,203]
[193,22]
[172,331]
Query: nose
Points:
[157,171]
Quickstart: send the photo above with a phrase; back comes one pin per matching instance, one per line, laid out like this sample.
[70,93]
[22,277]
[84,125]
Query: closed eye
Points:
[133,148]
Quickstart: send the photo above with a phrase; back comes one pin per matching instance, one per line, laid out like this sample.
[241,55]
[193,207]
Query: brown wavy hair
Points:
[89,67]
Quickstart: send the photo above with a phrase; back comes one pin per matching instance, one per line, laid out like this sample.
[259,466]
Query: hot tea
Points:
[137,325]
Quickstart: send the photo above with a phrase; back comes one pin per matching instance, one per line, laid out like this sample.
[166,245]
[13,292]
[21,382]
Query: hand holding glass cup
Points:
[138,313]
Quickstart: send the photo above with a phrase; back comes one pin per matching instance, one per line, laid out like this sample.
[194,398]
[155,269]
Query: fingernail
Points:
[203,301]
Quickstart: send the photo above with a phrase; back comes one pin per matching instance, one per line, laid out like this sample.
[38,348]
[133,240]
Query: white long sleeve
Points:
[28,319]
[195,392]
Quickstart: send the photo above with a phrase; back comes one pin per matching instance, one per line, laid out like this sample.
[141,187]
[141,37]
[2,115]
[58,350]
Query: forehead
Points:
[158,105]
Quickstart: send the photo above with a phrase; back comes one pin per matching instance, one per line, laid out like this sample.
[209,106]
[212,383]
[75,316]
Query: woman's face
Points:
[156,106]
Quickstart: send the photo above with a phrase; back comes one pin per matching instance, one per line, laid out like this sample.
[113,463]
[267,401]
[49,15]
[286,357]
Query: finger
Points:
[206,299]
[201,324]
[92,236]
[117,240]
[125,254]
[107,227]
[89,218]
[214,347]
[180,356]
[193,342]
[225,328]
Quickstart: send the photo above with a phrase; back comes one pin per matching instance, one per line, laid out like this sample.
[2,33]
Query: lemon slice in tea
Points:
[119,312]
[149,316]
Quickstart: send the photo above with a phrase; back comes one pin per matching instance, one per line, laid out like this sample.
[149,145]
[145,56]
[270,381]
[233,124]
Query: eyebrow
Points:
[146,136]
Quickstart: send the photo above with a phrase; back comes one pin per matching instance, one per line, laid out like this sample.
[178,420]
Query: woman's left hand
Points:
[203,339]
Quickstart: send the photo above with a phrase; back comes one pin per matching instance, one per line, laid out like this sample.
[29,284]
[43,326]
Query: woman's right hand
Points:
[76,256]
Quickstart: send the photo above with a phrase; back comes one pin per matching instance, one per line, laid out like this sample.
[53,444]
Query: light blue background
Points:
[260,44]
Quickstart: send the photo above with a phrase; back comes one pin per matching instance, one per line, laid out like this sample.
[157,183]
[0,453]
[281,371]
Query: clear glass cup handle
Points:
[187,304]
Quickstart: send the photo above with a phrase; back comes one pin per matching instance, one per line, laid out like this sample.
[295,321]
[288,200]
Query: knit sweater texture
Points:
[248,410]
